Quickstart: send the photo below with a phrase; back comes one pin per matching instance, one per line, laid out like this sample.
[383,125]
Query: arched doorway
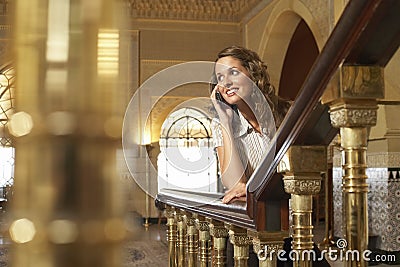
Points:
[300,56]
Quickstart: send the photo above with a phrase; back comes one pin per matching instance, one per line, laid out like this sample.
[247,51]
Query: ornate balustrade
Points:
[301,140]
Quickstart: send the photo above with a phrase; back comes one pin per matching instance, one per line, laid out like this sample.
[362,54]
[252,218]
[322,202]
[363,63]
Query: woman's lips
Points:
[232,91]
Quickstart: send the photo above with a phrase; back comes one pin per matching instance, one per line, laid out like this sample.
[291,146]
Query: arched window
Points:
[187,159]
[7,151]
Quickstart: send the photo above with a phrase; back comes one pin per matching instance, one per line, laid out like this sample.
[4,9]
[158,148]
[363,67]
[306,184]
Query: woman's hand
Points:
[225,112]
[236,193]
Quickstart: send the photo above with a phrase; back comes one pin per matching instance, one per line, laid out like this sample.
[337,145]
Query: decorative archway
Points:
[187,159]
[287,21]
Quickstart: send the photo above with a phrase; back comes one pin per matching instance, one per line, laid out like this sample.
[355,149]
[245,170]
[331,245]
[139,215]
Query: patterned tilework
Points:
[383,206]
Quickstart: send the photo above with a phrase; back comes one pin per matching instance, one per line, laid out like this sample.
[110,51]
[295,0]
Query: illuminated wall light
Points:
[108,52]
[22,231]
[58,31]
[146,136]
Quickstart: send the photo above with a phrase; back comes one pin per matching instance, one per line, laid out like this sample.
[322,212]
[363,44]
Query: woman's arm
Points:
[232,170]
[231,167]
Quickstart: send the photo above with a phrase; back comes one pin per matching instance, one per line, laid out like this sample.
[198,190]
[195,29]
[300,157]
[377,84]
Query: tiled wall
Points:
[383,206]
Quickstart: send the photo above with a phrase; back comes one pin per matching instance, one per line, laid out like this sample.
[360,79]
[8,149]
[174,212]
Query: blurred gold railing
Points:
[67,125]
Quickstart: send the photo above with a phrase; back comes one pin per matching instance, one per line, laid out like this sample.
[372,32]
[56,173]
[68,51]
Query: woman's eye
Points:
[235,72]
[220,78]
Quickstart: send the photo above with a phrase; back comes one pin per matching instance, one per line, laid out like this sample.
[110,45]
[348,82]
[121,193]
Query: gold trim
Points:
[302,185]
[353,115]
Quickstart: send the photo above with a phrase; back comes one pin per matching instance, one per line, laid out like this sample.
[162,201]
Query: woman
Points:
[247,113]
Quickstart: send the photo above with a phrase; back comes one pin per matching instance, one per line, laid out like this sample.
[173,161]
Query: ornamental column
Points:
[204,241]
[192,238]
[241,242]
[181,241]
[267,245]
[219,234]
[301,168]
[352,96]
[172,236]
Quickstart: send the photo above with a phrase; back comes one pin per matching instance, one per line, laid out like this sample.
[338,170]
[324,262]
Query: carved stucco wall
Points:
[199,10]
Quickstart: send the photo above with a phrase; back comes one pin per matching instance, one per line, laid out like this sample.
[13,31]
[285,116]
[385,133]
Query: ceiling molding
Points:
[199,10]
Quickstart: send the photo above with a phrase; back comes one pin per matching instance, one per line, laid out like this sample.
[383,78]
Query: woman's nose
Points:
[227,82]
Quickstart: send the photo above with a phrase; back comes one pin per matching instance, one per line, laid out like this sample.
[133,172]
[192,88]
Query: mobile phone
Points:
[219,97]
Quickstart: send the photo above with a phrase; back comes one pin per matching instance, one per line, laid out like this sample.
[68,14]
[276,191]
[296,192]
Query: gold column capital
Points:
[240,239]
[189,218]
[217,229]
[267,241]
[180,216]
[202,224]
[354,113]
[238,236]
[170,212]
[302,185]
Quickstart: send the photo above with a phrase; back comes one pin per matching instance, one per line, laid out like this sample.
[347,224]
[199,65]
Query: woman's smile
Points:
[232,92]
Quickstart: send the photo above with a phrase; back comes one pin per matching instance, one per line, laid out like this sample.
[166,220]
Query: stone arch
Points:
[281,25]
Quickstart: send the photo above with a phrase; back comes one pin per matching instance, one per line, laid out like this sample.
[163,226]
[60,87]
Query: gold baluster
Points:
[171,236]
[352,96]
[267,245]
[219,233]
[192,239]
[301,168]
[181,242]
[241,242]
[204,241]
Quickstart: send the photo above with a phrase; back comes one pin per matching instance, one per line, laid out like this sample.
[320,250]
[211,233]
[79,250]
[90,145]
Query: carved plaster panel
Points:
[352,117]
[203,10]
[240,240]
[309,186]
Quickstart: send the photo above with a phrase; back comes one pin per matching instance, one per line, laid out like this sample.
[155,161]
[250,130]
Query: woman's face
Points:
[233,80]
